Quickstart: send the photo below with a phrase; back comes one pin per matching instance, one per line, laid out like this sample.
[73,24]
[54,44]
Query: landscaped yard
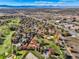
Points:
[51,43]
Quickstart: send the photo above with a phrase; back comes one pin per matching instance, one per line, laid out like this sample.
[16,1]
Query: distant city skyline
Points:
[40,2]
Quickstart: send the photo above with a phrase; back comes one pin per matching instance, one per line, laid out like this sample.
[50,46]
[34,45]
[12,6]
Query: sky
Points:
[40,2]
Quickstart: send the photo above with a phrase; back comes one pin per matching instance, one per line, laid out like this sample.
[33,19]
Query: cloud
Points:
[46,3]
[36,3]
[69,0]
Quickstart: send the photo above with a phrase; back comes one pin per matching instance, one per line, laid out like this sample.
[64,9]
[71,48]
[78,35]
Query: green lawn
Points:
[6,46]
[22,54]
[37,54]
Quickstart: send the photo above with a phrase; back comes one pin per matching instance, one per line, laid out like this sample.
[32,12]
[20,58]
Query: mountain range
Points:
[10,6]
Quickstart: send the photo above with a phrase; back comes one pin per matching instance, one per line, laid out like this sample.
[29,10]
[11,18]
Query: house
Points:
[33,44]
[31,56]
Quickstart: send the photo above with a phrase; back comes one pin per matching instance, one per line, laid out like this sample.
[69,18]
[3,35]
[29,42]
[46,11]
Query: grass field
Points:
[5,48]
